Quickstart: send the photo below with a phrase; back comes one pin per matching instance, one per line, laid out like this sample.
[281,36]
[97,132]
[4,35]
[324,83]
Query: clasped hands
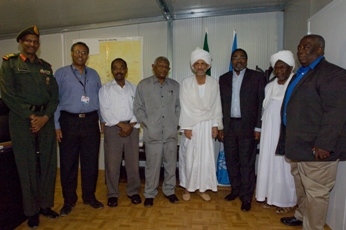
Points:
[188,133]
[37,122]
[126,129]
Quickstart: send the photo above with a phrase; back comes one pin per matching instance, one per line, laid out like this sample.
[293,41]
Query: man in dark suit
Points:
[242,93]
[314,116]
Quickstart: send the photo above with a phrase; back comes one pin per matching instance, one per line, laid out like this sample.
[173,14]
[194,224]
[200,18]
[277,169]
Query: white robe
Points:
[197,168]
[274,179]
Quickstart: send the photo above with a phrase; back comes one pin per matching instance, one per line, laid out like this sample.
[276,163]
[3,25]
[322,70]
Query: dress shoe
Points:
[291,221]
[135,199]
[148,202]
[48,212]
[66,209]
[112,201]
[94,203]
[173,198]
[231,196]
[245,206]
[204,196]
[34,221]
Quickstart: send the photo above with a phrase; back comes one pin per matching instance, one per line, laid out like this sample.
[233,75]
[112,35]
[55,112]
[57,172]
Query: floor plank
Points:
[195,214]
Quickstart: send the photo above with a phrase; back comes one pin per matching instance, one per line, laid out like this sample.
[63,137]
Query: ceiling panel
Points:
[52,16]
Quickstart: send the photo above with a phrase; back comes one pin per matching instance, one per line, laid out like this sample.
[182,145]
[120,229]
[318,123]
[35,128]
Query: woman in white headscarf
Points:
[275,183]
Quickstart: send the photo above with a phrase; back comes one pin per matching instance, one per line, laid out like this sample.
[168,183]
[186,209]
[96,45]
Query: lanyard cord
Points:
[80,80]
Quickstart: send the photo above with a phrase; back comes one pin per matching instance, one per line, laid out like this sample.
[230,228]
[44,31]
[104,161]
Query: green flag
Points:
[206,48]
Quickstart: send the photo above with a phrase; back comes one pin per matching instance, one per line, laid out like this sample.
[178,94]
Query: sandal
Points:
[186,195]
[280,210]
[204,196]
[265,205]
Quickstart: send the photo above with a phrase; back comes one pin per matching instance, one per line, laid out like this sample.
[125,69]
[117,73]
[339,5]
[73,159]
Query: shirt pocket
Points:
[23,80]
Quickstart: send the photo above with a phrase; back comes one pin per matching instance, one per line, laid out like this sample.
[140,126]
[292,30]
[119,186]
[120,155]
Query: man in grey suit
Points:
[313,118]
[157,107]
[242,93]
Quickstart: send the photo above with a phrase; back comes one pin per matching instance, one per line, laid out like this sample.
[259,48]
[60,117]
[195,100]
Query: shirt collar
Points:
[157,80]
[311,66]
[241,72]
[114,82]
[24,58]
[75,69]
[314,63]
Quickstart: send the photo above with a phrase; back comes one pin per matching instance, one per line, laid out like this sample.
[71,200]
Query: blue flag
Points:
[221,173]
[234,47]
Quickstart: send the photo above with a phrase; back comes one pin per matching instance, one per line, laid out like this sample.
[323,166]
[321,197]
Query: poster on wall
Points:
[102,51]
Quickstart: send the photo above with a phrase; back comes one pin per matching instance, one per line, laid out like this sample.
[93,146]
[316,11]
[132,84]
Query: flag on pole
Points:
[234,47]
[222,173]
[206,48]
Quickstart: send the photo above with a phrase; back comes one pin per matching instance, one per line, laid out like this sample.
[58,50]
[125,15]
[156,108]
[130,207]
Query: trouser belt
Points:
[79,115]
[37,108]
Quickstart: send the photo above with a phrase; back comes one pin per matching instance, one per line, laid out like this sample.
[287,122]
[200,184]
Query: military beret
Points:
[30,30]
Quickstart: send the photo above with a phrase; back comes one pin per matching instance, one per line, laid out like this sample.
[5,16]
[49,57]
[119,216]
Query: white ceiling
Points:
[52,16]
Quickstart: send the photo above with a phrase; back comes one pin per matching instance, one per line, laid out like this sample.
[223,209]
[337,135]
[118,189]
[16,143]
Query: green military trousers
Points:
[38,192]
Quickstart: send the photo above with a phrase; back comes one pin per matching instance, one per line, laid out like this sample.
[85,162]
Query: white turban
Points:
[199,54]
[285,56]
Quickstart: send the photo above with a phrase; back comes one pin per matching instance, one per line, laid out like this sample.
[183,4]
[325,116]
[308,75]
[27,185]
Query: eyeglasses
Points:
[29,41]
[78,52]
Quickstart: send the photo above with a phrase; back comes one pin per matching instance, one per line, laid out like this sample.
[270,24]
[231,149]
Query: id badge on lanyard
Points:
[84,99]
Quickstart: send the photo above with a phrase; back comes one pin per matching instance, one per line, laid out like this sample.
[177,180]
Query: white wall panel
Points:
[154,43]
[259,34]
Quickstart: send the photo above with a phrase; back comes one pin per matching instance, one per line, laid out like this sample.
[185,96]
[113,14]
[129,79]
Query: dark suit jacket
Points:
[316,113]
[251,97]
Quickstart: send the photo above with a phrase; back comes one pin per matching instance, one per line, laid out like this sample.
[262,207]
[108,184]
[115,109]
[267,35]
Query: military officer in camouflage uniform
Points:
[30,90]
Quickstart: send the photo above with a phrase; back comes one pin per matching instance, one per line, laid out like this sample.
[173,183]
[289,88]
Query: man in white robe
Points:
[274,179]
[200,120]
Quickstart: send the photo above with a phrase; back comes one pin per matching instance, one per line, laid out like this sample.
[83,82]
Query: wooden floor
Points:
[195,214]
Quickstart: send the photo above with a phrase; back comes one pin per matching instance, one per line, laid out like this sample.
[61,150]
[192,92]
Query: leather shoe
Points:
[291,221]
[231,196]
[135,199]
[173,198]
[34,221]
[66,209]
[94,203]
[245,206]
[112,201]
[48,212]
[148,202]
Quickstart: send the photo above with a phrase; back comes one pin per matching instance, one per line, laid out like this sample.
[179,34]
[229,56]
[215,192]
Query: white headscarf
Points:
[273,91]
[285,56]
[199,54]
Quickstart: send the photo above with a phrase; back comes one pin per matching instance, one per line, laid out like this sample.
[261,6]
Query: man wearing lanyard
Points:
[77,128]
[314,117]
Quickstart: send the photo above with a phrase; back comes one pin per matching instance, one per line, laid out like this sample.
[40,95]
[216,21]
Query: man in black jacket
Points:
[242,93]
[314,116]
